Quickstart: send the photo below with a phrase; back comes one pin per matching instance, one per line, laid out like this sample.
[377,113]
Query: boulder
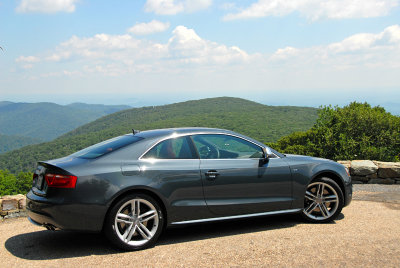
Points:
[372,176]
[362,167]
[346,163]
[388,169]
[9,204]
[381,181]
[359,178]
[22,203]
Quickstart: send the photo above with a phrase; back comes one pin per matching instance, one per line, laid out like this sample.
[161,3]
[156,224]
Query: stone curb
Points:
[373,172]
[12,206]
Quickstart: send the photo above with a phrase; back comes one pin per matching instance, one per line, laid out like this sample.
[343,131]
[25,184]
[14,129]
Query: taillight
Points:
[61,181]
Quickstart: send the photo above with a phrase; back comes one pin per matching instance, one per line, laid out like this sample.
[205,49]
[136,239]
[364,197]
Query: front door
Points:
[234,183]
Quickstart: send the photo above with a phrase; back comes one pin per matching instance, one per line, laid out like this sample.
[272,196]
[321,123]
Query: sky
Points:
[152,52]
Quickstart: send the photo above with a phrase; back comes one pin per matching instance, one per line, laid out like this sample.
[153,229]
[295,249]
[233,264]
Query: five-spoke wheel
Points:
[323,200]
[134,223]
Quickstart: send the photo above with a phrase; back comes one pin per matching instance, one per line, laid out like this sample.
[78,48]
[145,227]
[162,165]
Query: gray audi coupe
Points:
[133,186]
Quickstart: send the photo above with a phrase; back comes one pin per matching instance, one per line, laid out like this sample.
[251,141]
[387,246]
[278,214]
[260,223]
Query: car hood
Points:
[306,158]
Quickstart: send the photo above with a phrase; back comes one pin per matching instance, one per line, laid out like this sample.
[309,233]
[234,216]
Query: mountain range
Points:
[262,122]
[28,123]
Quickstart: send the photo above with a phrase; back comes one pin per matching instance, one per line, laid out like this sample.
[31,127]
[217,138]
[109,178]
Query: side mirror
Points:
[265,158]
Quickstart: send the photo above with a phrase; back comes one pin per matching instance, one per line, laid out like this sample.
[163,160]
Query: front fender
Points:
[303,173]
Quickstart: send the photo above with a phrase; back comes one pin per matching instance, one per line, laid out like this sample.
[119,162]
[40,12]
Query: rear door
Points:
[234,182]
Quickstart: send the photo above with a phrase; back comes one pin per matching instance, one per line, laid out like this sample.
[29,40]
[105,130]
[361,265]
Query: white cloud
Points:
[363,50]
[26,62]
[188,61]
[151,27]
[284,53]
[317,9]
[367,41]
[46,6]
[28,59]
[172,7]
[121,54]
[186,46]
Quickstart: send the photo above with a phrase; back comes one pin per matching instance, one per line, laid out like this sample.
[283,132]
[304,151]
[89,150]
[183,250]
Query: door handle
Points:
[212,174]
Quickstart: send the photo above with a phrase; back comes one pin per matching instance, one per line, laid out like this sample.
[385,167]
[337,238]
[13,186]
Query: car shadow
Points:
[48,245]
[227,228]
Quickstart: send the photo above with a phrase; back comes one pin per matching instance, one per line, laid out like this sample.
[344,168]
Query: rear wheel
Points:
[135,222]
[323,201]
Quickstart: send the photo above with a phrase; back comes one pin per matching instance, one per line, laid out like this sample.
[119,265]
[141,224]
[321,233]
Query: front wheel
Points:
[135,222]
[323,201]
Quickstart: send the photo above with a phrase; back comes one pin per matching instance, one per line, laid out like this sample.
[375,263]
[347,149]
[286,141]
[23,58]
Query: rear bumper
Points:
[64,215]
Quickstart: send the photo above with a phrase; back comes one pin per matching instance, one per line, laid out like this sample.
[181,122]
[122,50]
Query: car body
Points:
[182,176]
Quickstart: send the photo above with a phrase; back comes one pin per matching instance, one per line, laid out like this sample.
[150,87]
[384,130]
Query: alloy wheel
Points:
[321,201]
[136,222]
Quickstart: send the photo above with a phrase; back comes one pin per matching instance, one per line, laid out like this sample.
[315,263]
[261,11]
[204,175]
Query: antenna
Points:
[135,131]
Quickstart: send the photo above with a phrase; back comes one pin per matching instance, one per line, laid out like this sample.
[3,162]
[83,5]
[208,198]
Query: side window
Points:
[175,148]
[225,147]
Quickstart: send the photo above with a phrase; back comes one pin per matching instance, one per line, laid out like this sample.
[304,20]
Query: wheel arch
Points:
[146,191]
[332,175]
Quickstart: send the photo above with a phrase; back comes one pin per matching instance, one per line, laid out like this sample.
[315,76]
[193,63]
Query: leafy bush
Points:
[11,184]
[356,131]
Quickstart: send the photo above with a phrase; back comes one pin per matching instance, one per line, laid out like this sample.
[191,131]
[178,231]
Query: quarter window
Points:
[225,147]
[175,148]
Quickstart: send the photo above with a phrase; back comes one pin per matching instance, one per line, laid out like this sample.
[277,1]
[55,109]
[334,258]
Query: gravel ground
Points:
[366,234]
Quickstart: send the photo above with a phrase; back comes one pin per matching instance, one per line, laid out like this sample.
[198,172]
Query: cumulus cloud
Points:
[172,7]
[27,62]
[151,27]
[46,6]
[120,54]
[316,9]
[360,60]
[356,51]
[186,46]
[364,41]
[28,59]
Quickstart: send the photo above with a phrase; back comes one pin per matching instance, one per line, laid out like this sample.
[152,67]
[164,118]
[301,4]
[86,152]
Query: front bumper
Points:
[64,215]
[348,193]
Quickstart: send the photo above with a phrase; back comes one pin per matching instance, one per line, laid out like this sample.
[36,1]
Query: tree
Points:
[356,131]
[11,184]
[7,183]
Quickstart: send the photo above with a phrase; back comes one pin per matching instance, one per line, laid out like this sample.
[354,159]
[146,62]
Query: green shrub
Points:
[356,131]
[11,184]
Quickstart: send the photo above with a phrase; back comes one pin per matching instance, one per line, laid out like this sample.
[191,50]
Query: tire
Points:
[129,228]
[323,201]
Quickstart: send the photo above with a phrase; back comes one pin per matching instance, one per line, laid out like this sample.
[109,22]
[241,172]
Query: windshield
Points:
[106,147]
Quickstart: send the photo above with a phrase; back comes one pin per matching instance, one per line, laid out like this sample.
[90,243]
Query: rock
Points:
[345,163]
[22,204]
[9,204]
[362,167]
[358,182]
[381,181]
[372,176]
[388,169]
[359,178]
[15,214]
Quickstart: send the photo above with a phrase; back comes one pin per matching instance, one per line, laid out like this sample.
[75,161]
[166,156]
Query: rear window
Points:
[106,147]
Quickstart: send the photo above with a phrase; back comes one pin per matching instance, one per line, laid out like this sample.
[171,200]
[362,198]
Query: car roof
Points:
[154,133]
[158,134]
